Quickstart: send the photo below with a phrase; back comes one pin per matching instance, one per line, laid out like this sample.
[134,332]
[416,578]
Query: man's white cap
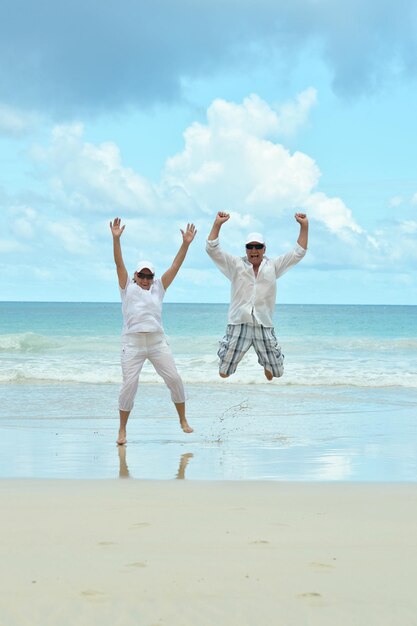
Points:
[257,237]
[145,265]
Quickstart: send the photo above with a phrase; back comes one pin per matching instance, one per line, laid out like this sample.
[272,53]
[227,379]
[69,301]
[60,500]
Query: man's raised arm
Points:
[303,236]
[221,218]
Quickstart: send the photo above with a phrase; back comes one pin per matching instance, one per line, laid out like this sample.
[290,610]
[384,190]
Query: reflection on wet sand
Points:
[183,464]
[124,470]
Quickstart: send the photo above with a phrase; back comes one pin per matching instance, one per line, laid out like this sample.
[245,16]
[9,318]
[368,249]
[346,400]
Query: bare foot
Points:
[185,426]
[121,440]
[268,374]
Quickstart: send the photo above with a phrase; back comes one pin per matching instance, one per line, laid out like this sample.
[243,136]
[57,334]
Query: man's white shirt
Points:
[252,297]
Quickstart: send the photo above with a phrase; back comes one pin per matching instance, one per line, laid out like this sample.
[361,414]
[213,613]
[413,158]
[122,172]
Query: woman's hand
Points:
[189,234]
[115,227]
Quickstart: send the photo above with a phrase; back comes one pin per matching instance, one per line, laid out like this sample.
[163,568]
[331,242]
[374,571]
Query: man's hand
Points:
[301,218]
[189,234]
[303,236]
[115,227]
[221,218]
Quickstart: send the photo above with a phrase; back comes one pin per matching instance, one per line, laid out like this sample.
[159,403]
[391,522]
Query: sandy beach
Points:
[196,553]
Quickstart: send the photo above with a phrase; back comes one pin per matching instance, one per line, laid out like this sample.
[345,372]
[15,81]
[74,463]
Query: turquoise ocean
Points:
[345,409]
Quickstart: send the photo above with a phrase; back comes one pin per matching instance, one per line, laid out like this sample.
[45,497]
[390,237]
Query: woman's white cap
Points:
[145,265]
[257,237]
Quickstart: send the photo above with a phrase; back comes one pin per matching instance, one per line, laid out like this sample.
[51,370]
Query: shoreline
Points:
[205,552]
[240,433]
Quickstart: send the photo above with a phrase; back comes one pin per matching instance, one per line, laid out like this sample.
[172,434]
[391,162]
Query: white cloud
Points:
[10,245]
[244,221]
[197,276]
[229,161]
[409,227]
[23,228]
[87,176]
[396,201]
[104,273]
[13,122]
[395,245]
[293,115]
[255,116]
[72,235]
[333,213]
[373,241]
[232,163]
[42,273]
[23,221]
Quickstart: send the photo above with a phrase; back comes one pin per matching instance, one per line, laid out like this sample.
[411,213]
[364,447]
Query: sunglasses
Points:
[257,246]
[143,276]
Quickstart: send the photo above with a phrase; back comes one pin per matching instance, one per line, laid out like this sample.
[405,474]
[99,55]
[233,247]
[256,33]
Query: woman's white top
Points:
[142,308]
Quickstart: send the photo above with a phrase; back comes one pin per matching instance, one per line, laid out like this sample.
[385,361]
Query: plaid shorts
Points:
[237,341]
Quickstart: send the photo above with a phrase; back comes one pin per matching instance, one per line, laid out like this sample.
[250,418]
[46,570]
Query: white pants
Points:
[136,348]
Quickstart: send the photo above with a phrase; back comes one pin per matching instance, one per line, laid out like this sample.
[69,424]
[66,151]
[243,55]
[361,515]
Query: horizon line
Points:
[206,303]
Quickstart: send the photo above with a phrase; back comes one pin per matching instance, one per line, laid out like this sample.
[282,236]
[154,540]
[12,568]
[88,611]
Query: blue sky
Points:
[166,112]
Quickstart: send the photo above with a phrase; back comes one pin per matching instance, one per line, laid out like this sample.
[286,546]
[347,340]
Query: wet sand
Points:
[179,553]
[240,433]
